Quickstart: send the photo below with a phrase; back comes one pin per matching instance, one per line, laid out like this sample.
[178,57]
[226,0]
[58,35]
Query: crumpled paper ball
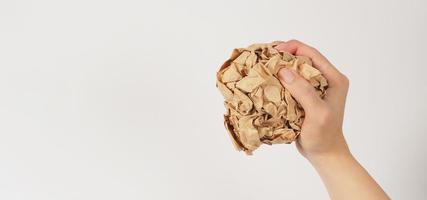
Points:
[259,110]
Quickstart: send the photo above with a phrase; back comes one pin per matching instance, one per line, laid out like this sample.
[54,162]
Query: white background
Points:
[117,99]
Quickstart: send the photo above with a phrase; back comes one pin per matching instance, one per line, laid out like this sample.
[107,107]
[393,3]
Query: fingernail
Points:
[287,75]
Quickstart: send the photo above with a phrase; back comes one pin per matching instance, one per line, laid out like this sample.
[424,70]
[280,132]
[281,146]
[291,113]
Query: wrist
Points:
[336,149]
[326,158]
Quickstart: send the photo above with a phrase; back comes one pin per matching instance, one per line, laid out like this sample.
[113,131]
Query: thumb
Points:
[300,89]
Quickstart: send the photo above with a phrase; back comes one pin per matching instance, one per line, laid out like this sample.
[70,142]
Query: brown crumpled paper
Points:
[259,109]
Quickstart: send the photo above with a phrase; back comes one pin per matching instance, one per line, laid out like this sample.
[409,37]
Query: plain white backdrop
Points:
[117,99]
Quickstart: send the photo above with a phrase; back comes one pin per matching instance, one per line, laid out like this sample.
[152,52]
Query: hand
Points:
[321,131]
[321,140]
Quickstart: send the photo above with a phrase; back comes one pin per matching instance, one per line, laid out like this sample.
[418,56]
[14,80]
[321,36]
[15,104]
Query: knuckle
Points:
[312,48]
[344,80]
[303,45]
[307,90]
[295,41]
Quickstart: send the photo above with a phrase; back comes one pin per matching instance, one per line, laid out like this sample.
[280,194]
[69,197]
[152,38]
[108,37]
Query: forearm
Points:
[345,178]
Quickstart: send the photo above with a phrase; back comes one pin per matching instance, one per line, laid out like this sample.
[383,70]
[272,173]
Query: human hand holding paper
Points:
[282,92]
[321,140]
[259,110]
[321,132]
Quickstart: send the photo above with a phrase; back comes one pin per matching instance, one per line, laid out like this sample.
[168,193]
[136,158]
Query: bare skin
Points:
[322,141]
